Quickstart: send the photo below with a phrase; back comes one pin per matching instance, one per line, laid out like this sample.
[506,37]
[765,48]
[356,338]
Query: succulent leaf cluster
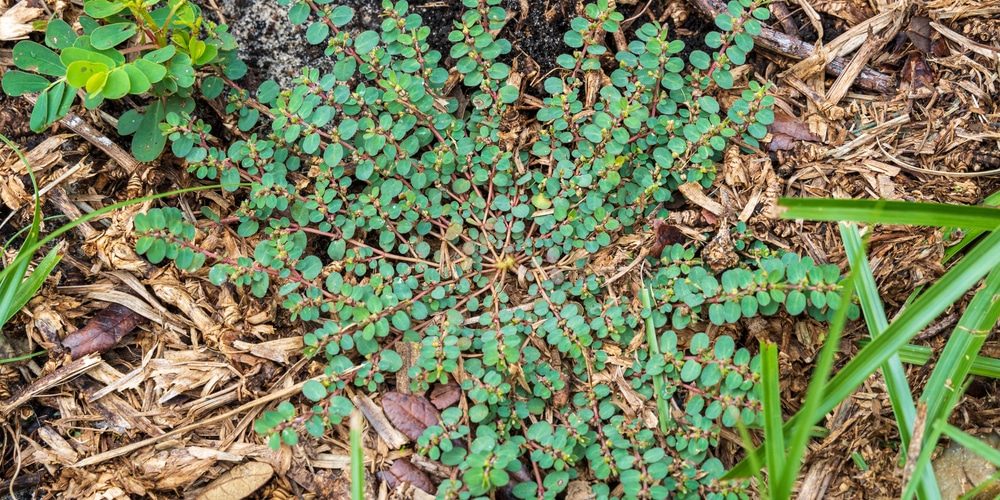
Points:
[393,201]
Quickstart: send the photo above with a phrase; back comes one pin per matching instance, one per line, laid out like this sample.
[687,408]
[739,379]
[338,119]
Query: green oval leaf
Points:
[723,79]
[211,87]
[365,42]
[795,303]
[73,54]
[690,371]
[16,83]
[314,390]
[161,55]
[138,82]
[129,122]
[196,48]
[341,15]
[59,34]
[148,142]
[317,33]
[31,56]
[96,82]
[117,84]
[154,71]
[39,114]
[700,59]
[390,362]
[182,73]
[78,72]
[102,8]
[208,54]
[111,35]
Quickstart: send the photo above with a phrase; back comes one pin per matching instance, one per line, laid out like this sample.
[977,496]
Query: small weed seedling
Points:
[126,49]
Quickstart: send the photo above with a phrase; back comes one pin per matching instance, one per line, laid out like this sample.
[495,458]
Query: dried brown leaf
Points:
[410,414]
[919,32]
[916,73]
[793,127]
[239,482]
[665,235]
[445,395]
[103,331]
[402,471]
[781,142]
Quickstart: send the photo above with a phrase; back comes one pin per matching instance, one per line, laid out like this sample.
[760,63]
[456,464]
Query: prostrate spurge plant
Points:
[388,210]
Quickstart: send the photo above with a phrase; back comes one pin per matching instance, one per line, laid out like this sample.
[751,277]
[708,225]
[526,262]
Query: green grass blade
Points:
[10,283]
[969,237]
[24,256]
[946,291]
[874,314]
[774,443]
[963,346]
[955,362]
[26,229]
[26,290]
[22,358]
[816,391]
[932,434]
[895,375]
[753,459]
[971,234]
[920,355]
[891,212]
[357,458]
[975,492]
[662,406]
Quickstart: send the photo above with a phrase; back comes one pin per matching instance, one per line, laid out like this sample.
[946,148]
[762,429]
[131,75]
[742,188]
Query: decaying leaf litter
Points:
[909,114]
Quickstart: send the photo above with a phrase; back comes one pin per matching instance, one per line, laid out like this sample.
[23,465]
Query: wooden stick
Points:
[788,46]
[76,124]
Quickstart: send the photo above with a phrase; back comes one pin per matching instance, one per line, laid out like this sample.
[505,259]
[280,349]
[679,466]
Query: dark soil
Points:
[273,48]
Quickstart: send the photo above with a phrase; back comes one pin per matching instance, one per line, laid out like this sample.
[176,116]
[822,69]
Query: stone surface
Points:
[273,48]
[959,470]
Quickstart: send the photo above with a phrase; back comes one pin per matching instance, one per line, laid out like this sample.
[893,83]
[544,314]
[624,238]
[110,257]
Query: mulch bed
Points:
[908,113]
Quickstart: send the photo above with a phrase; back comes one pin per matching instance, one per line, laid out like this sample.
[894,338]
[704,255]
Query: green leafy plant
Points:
[889,343]
[17,284]
[384,210]
[141,48]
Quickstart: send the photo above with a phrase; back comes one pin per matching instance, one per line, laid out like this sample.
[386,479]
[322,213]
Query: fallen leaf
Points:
[445,395]
[916,72]
[665,235]
[239,482]
[412,415]
[781,142]
[791,126]
[103,331]
[919,32]
[402,471]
